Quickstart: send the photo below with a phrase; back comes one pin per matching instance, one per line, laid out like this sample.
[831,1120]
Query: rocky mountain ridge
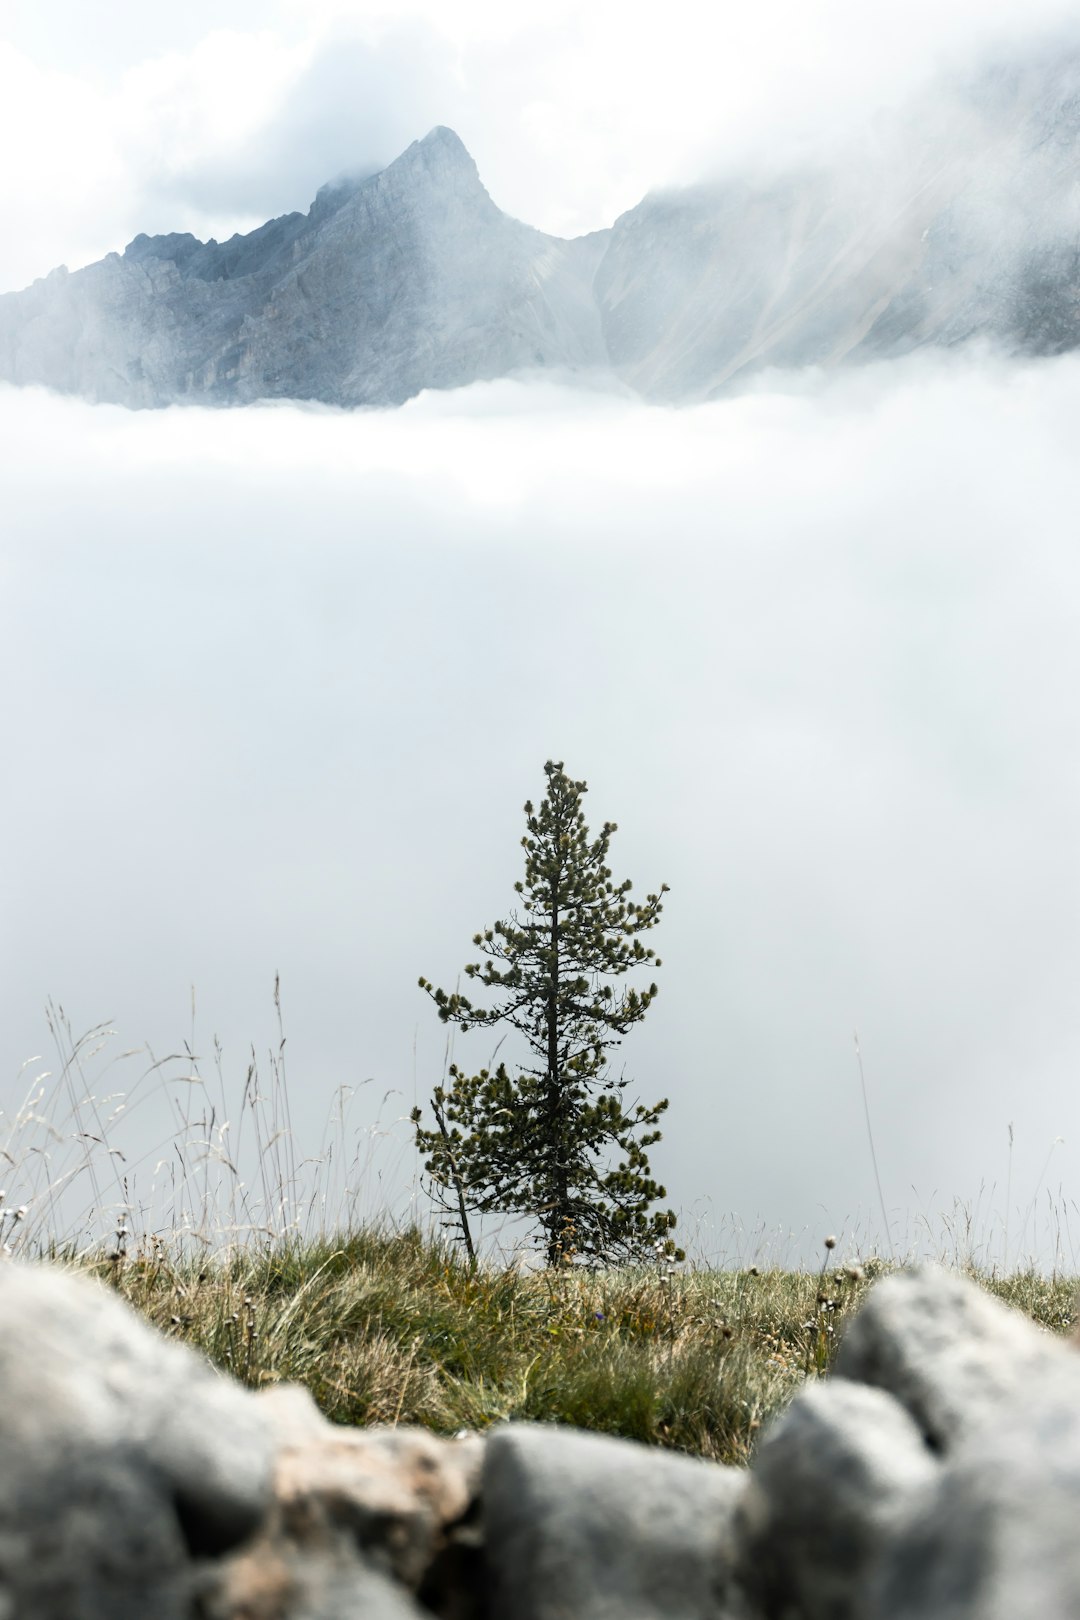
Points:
[957,220]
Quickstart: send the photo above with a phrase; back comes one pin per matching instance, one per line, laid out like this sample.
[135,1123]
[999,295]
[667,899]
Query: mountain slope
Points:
[957,219]
[409,279]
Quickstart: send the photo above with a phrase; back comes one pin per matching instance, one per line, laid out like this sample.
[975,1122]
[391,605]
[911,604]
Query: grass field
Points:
[211,1232]
[388,1328]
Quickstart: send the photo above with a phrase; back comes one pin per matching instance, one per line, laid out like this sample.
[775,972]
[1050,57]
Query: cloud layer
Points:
[285,677]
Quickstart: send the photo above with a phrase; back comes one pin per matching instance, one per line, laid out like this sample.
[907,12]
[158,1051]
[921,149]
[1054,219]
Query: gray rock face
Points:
[581,1525]
[957,220]
[410,279]
[995,1535]
[950,1354]
[124,1457]
[831,1485]
[996,1538]
[946,1486]
[405,1500]
[279,1583]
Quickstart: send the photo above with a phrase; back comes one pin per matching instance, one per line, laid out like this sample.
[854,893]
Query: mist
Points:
[280,680]
[125,120]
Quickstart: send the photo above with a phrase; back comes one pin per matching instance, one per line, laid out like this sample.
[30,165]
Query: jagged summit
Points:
[447,144]
[440,156]
[440,159]
[961,222]
[392,282]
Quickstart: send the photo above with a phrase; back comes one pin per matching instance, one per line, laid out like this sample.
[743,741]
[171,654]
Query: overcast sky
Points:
[279,680]
[126,116]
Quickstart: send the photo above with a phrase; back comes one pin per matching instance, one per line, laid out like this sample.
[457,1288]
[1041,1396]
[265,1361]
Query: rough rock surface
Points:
[582,1525]
[950,1354]
[273,1582]
[943,1486]
[124,1457]
[407,1501]
[996,1538]
[956,219]
[408,279]
[832,1483]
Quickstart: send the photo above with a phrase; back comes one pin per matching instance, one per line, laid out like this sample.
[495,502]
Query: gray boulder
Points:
[402,1500]
[125,1457]
[832,1482]
[944,1485]
[601,1529]
[996,1537]
[286,1583]
[949,1353]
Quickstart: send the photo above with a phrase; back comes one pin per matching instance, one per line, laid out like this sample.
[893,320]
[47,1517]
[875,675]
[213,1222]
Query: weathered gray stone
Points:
[832,1482]
[997,1537]
[124,1456]
[583,1526]
[284,1583]
[405,1499]
[949,1353]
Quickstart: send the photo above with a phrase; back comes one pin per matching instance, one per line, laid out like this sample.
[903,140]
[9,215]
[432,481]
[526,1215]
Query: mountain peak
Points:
[443,138]
[443,156]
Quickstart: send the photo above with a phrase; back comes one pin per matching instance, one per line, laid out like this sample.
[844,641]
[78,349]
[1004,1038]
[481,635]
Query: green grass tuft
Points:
[394,1328]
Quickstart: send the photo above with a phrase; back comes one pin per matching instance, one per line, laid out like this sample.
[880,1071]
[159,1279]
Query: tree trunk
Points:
[463,1214]
[559,1215]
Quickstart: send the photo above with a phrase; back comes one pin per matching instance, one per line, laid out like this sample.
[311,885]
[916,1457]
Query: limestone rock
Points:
[997,1536]
[949,1353]
[282,1583]
[125,1457]
[833,1481]
[600,1529]
[403,1498]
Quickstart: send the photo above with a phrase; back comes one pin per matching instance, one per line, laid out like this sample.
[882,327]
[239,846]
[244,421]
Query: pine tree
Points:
[540,1142]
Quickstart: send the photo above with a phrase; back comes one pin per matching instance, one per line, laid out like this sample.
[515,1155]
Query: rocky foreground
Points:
[937,1476]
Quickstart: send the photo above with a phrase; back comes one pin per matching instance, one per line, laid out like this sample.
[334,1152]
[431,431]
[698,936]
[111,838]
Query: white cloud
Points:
[287,676]
[571,110]
[64,161]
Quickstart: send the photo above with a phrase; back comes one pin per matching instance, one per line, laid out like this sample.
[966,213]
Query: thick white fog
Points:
[278,681]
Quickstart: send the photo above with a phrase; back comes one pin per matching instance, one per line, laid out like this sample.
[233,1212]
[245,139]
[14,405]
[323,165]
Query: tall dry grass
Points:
[280,1266]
